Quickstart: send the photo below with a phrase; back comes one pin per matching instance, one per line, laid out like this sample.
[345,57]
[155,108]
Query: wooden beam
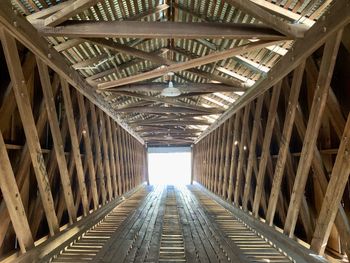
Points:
[24,32]
[112,156]
[75,144]
[88,151]
[267,18]
[233,163]
[302,48]
[43,13]
[57,138]
[281,11]
[162,110]
[117,158]
[229,133]
[106,158]
[265,151]
[170,122]
[167,29]
[96,138]
[173,102]
[252,152]
[284,147]
[242,153]
[183,87]
[315,117]
[13,200]
[216,56]
[69,11]
[25,110]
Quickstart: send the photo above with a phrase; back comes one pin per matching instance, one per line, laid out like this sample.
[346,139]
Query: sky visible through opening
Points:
[169,168]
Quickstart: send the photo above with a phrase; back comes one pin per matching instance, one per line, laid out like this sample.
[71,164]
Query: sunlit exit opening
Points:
[169,165]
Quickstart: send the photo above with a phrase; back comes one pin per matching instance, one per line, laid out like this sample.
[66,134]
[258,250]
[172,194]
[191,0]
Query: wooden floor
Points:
[171,224]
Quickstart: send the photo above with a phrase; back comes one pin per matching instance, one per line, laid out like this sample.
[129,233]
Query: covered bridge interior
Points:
[258,88]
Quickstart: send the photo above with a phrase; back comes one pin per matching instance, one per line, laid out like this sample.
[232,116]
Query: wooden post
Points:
[252,151]
[57,138]
[315,116]
[13,200]
[112,156]
[265,152]
[242,150]
[233,154]
[284,147]
[88,150]
[106,161]
[96,137]
[75,145]
[227,157]
[24,107]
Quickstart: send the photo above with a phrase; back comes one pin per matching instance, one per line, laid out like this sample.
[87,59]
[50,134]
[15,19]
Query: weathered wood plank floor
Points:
[171,224]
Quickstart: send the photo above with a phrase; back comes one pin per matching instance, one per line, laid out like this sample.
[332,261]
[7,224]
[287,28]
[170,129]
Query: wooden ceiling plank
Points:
[314,122]
[183,87]
[162,110]
[48,11]
[302,48]
[24,107]
[267,18]
[24,32]
[213,57]
[170,101]
[75,144]
[57,138]
[167,29]
[69,11]
[295,17]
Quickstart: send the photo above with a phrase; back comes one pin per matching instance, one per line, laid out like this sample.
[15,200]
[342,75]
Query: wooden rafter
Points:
[302,48]
[142,29]
[188,64]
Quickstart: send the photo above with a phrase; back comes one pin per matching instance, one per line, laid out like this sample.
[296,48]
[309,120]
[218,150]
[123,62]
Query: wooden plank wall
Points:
[61,156]
[284,157]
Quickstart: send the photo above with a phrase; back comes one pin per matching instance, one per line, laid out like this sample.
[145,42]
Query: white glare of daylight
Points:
[169,168]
